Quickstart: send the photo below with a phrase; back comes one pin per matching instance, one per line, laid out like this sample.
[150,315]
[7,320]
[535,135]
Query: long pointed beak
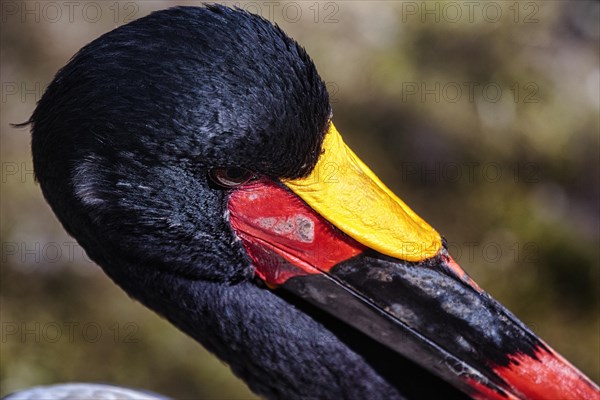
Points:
[341,240]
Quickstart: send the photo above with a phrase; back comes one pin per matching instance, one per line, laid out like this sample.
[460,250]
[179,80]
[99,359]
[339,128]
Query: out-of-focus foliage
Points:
[486,124]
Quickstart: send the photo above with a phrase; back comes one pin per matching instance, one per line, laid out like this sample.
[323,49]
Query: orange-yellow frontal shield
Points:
[343,190]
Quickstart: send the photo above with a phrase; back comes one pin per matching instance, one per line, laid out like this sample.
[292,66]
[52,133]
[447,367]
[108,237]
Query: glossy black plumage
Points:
[138,116]
[135,120]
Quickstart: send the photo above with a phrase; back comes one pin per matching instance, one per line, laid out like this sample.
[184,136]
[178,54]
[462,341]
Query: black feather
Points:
[122,141]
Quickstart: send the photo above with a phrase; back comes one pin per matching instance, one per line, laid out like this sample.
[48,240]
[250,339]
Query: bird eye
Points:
[230,177]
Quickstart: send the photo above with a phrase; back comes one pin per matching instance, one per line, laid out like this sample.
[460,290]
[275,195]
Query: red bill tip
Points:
[548,377]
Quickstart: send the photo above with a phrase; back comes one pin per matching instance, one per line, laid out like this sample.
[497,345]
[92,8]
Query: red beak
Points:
[430,311]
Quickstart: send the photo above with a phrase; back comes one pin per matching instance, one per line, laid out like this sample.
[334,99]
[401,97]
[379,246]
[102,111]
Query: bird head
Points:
[141,126]
[192,153]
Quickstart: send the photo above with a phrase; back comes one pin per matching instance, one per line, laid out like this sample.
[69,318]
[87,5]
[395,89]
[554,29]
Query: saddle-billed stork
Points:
[192,154]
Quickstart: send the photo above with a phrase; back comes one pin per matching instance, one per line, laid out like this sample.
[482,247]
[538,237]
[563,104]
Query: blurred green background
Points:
[482,116]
